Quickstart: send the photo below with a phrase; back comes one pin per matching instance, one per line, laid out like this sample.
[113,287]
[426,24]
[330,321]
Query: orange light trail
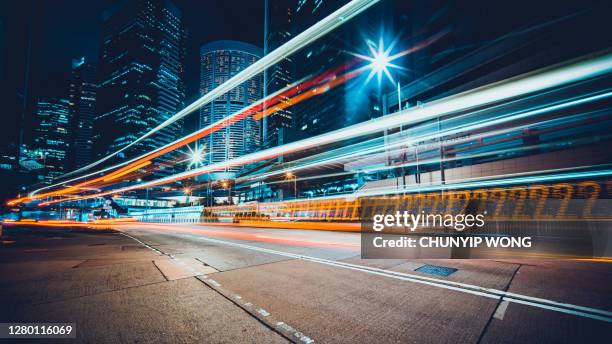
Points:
[99,224]
[256,109]
[270,237]
[303,96]
[310,93]
[259,111]
[146,163]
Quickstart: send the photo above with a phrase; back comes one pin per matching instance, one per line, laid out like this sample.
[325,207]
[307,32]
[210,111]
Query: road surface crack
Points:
[498,305]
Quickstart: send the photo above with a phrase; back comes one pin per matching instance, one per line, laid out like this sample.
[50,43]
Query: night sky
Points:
[72,28]
[61,30]
[66,29]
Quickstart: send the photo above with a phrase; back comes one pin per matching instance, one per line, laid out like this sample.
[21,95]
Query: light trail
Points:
[96,224]
[501,119]
[511,180]
[382,147]
[311,93]
[424,162]
[497,92]
[262,108]
[540,176]
[222,123]
[269,237]
[138,161]
[130,170]
[319,29]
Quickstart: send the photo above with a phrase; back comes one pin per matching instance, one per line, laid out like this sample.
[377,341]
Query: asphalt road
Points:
[315,282]
[196,283]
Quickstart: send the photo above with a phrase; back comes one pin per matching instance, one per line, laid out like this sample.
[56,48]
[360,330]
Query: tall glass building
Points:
[82,99]
[50,144]
[141,75]
[278,30]
[348,103]
[221,60]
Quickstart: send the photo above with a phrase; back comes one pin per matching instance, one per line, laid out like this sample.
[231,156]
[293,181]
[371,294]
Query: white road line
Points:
[304,338]
[265,316]
[299,335]
[213,282]
[501,310]
[501,295]
[263,312]
[142,243]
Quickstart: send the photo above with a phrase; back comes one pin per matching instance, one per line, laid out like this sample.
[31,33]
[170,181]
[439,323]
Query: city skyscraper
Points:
[357,103]
[50,144]
[140,77]
[221,60]
[82,99]
[277,31]
[324,112]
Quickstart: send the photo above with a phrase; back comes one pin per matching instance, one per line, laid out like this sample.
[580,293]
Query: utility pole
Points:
[399,97]
[441,147]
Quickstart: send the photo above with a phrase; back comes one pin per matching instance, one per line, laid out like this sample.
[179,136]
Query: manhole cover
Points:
[436,270]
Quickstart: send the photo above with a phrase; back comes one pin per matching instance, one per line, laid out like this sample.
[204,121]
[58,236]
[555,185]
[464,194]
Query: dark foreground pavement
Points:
[190,283]
[112,288]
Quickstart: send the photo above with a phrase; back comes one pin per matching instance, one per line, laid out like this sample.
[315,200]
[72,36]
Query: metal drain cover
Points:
[436,270]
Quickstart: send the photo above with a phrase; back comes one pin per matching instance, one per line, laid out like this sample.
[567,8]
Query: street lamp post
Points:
[147,209]
[290,176]
[228,186]
[187,192]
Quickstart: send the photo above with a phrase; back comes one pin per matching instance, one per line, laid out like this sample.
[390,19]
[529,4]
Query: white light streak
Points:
[308,36]
[514,87]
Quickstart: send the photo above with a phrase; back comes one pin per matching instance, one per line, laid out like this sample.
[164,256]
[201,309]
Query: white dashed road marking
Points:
[263,312]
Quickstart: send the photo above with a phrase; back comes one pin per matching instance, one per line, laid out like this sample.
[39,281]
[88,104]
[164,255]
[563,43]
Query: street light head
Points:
[196,155]
[224,184]
[380,62]
[187,191]
[289,175]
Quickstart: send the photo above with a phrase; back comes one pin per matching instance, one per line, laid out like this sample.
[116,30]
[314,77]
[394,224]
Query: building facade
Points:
[141,73]
[221,60]
[51,141]
[350,102]
[82,104]
[278,30]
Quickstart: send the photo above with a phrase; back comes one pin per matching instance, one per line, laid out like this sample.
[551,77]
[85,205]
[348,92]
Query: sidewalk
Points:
[116,290]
